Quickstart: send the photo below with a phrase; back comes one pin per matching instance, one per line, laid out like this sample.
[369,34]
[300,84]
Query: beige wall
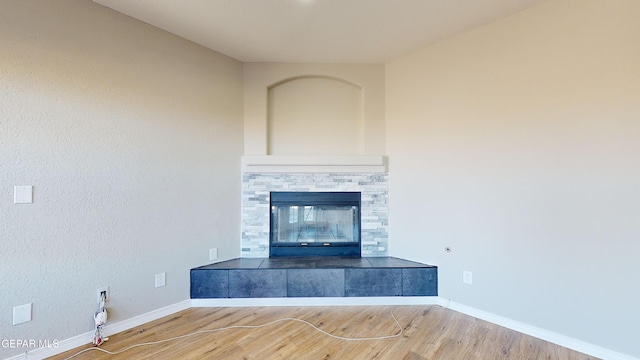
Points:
[132,140]
[259,77]
[517,144]
[315,116]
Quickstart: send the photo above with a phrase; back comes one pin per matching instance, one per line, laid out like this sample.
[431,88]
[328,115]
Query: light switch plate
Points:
[23,194]
[22,313]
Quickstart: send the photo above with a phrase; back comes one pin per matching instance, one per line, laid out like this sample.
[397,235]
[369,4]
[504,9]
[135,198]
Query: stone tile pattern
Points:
[269,278]
[374,211]
[274,283]
[258,284]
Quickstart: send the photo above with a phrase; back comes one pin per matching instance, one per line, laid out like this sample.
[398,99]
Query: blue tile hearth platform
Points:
[313,277]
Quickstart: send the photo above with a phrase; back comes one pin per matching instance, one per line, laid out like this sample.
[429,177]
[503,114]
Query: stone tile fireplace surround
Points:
[256,188]
[255,275]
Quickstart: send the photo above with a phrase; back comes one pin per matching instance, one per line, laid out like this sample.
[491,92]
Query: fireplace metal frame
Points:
[325,248]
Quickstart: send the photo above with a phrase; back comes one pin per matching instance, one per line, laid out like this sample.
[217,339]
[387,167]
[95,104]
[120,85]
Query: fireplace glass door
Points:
[315,224]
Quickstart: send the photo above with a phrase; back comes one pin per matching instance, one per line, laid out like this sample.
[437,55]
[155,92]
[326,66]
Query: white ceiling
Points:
[311,31]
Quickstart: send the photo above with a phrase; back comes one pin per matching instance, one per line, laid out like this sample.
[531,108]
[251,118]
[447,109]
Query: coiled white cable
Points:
[384,337]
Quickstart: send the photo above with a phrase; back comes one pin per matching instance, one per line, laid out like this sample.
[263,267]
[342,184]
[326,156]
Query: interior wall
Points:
[315,116]
[132,139]
[259,77]
[517,145]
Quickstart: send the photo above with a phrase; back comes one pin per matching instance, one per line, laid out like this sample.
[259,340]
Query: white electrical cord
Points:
[100,319]
[247,327]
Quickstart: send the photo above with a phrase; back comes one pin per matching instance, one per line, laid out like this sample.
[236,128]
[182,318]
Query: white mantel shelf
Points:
[314,164]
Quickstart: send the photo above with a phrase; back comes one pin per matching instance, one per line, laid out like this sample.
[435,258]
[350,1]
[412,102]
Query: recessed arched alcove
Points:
[315,115]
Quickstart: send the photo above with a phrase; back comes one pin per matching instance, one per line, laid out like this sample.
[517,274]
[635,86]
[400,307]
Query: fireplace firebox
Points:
[315,224]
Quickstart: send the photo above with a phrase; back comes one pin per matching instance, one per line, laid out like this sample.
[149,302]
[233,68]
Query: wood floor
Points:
[429,332]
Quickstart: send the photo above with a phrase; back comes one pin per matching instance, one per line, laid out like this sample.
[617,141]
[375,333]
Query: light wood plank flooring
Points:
[429,332]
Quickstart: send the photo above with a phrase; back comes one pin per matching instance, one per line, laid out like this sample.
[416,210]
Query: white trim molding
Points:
[314,164]
[550,336]
[84,339]
[317,301]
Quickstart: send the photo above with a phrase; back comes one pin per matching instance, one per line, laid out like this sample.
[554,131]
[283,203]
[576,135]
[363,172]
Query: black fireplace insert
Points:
[315,224]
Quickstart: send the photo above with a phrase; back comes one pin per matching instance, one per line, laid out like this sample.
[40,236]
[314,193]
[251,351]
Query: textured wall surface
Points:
[518,145]
[315,116]
[374,208]
[132,140]
[258,77]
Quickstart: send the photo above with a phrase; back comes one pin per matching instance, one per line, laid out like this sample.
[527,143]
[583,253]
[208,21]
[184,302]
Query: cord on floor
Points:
[245,327]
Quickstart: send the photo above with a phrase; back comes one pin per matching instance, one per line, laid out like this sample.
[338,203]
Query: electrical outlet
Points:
[467,277]
[160,279]
[213,254]
[102,290]
[22,313]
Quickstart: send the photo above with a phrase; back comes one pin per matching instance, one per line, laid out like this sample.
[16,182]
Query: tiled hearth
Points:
[313,277]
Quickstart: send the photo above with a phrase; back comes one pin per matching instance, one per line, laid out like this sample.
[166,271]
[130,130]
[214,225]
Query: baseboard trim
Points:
[317,301]
[145,318]
[83,339]
[550,336]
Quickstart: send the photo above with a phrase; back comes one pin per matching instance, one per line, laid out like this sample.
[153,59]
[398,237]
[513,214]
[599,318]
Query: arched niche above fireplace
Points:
[315,115]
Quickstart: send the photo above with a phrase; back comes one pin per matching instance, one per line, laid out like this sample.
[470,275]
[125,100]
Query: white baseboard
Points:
[552,337]
[83,339]
[317,301]
[145,318]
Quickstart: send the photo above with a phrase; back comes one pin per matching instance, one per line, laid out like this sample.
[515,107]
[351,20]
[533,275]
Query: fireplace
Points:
[315,224]
[256,206]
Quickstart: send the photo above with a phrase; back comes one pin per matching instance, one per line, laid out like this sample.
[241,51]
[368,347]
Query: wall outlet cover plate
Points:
[467,277]
[160,279]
